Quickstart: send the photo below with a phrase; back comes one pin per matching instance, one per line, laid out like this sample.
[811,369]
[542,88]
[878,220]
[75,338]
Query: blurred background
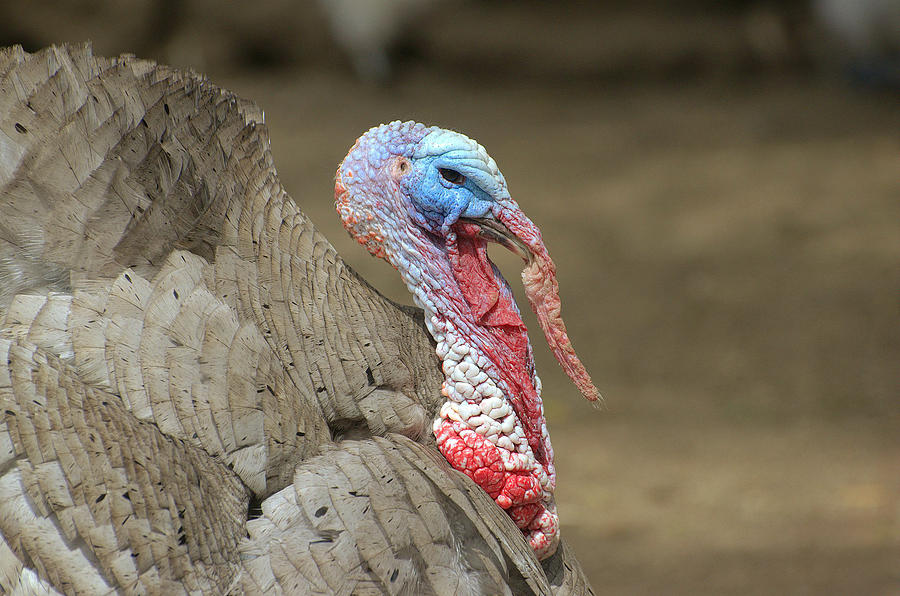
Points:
[719,184]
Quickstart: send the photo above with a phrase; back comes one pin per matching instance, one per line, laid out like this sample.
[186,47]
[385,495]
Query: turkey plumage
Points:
[198,395]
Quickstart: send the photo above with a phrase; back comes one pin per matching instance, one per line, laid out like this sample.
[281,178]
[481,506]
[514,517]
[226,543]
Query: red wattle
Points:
[542,290]
[496,313]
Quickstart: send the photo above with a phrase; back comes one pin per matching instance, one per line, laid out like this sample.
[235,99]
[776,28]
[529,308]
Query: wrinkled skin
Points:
[428,200]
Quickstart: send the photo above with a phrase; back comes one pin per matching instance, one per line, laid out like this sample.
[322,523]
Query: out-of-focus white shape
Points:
[865,27]
[365,29]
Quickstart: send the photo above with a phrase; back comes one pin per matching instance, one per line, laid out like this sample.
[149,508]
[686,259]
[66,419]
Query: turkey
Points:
[199,396]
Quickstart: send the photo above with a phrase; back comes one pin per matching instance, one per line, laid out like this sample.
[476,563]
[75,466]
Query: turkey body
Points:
[198,395]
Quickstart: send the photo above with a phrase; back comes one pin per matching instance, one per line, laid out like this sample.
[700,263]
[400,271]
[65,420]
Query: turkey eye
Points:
[452,176]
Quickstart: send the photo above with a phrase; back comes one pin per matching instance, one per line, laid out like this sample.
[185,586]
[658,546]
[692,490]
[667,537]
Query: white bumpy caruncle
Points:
[478,401]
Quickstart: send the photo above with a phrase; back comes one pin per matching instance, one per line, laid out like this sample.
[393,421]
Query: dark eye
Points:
[452,176]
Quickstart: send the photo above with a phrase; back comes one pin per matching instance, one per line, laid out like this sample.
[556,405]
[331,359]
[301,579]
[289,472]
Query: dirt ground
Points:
[727,245]
[728,254]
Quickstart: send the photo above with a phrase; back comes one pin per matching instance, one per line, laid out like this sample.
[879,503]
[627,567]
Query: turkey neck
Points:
[466,298]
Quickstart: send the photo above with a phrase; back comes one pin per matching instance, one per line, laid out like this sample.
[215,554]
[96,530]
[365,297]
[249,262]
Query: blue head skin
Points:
[436,177]
[452,177]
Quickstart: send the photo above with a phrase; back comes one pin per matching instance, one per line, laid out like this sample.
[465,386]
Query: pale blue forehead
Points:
[455,150]
[446,148]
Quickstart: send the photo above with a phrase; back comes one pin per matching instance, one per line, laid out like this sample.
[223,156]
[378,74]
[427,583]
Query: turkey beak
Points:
[494,231]
[512,229]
